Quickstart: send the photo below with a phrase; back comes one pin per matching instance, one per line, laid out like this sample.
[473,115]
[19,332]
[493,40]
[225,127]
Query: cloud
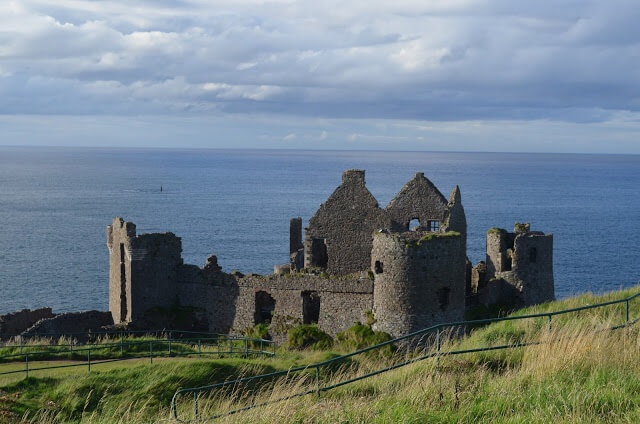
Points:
[289,137]
[440,60]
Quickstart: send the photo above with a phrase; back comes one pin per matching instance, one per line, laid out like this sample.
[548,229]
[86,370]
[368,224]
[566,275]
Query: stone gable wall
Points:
[418,199]
[346,221]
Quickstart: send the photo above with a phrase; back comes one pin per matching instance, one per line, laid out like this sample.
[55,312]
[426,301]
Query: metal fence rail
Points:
[88,354]
[435,333]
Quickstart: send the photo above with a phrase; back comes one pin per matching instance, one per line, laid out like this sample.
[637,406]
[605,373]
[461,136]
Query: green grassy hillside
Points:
[579,372]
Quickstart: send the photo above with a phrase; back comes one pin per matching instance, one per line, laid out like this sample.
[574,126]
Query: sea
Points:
[55,205]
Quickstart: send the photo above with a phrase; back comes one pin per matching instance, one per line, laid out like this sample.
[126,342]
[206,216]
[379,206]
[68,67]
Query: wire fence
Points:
[433,342]
[123,346]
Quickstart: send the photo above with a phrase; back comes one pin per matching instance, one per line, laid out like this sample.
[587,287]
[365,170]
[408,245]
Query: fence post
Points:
[121,342]
[89,360]
[627,312]
[230,347]
[246,348]
[261,348]
[20,343]
[199,349]
[317,382]
[549,322]
[26,358]
[195,400]
[151,352]
[438,346]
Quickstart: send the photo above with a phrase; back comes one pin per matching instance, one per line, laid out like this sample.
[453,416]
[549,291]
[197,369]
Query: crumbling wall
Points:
[212,292]
[419,280]
[344,223]
[15,323]
[71,322]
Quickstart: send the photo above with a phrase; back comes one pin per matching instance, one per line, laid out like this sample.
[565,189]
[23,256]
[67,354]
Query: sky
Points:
[438,75]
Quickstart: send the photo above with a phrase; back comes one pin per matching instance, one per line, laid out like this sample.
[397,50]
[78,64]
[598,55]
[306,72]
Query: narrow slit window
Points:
[378,267]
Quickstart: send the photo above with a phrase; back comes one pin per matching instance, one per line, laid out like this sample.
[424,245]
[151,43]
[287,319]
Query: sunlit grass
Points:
[577,371]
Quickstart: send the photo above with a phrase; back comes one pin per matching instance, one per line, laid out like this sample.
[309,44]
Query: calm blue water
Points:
[56,203]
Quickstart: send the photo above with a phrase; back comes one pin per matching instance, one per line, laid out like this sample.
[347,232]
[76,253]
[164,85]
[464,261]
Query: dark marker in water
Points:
[160,188]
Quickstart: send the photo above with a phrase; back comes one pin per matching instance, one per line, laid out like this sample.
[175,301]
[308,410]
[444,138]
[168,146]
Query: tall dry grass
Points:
[578,371]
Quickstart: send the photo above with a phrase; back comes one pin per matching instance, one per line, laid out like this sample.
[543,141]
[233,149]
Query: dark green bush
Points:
[259,331]
[360,336]
[308,336]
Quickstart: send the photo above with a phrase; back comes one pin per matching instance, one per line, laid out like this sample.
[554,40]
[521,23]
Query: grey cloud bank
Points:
[561,69]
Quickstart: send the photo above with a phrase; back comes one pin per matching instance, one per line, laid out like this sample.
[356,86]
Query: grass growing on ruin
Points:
[577,373]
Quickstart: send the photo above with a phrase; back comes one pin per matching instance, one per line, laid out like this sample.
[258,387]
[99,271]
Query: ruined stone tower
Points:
[519,267]
[419,280]
[143,270]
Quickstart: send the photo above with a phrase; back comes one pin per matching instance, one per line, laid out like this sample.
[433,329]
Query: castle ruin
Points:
[406,264]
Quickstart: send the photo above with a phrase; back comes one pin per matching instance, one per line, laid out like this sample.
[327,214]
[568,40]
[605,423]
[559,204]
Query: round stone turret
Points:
[419,280]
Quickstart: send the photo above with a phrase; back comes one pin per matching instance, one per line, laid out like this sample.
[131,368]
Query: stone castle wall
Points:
[342,300]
